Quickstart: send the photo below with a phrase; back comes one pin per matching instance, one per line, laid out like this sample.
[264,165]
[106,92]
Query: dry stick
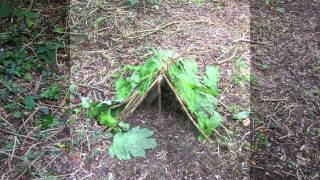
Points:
[14,147]
[31,5]
[87,86]
[150,32]
[253,42]
[134,97]
[52,160]
[136,100]
[133,102]
[30,117]
[132,109]
[6,121]
[107,76]
[20,135]
[126,101]
[226,129]
[27,162]
[35,91]
[231,158]
[88,141]
[232,56]
[28,135]
[222,104]
[184,108]
[159,93]
[229,50]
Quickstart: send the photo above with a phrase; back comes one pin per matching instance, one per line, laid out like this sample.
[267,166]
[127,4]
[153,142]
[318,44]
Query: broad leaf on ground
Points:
[241,115]
[132,143]
[28,102]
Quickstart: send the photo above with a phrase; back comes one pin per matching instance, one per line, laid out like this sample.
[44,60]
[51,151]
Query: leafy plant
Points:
[60,145]
[262,139]
[11,106]
[17,114]
[47,52]
[198,95]
[140,76]
[18,25]
[107,119]
[29,102]
[132,143]
[49,121]
[52,92]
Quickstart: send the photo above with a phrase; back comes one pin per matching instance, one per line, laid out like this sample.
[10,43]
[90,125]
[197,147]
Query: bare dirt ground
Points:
[286,102]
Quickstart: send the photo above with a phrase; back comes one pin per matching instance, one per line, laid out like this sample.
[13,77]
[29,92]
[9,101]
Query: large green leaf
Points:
[132,143]
[209,123]
[199,96]
[29,102]
[123,89]
[106,118]
[52,92]
[211,79]
[140,77]
[241,115]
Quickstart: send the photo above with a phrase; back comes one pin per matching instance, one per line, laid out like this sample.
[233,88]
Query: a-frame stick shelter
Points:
[134,100]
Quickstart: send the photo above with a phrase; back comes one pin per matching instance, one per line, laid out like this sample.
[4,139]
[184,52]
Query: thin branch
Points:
[20,135]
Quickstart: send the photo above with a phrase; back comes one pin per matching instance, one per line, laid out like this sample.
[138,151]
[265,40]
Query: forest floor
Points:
[268,55]
[127,36]
[286,101]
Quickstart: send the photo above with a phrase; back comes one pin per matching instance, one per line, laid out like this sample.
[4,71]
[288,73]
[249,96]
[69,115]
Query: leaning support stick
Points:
[185,108]
[159,93]
[137,101]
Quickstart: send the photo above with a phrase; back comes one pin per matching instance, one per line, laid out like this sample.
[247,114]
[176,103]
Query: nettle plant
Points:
[196,95]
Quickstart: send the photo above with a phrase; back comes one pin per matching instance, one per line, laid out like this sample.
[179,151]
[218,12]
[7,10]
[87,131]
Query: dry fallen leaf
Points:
[246,122]
[210,23]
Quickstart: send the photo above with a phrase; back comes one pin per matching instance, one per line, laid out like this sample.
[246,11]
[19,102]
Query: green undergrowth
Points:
[197,93]
[28,50]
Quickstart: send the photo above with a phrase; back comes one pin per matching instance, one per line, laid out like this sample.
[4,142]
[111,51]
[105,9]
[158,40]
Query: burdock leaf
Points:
[132,143]
[211,79]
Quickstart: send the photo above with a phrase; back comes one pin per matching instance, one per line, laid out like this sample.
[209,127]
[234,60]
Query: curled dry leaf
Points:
[246,122]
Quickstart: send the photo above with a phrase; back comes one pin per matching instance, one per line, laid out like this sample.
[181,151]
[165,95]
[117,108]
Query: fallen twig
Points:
[231,57]
[20,135]
[149,32]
